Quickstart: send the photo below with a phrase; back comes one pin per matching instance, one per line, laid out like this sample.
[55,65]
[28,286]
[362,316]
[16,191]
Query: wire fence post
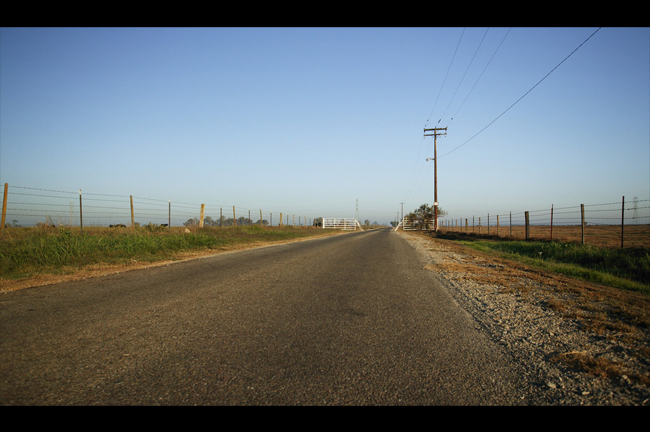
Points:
[582,221]
[201,215]
[132,215]
[4,210]
[234,218]
[81,217]
[622,219]
[169,220]
[527,226]
[551,222]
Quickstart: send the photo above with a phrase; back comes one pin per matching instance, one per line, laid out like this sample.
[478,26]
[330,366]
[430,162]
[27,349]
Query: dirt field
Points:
[597,235]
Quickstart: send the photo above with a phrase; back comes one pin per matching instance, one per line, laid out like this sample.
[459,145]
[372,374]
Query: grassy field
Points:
[601,261]
[29,252]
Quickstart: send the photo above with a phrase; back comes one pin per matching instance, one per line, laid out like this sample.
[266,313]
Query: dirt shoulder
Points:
[581,343]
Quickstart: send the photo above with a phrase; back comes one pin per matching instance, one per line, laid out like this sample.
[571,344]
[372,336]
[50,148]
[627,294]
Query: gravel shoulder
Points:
[577,343]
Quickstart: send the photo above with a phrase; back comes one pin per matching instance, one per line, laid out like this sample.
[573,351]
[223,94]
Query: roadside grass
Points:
[627,268]
[26,252]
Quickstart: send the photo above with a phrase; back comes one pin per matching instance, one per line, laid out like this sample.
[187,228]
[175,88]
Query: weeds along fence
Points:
[622,223]
[26,206]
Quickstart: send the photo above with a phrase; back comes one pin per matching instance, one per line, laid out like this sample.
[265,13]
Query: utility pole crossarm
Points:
[435,133]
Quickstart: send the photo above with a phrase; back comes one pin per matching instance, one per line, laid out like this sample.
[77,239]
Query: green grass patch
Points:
[627,268]
[29,251]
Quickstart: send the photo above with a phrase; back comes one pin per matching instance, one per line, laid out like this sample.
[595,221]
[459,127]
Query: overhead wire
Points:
[479,77]
[445,79]
[525,94]
[463,78]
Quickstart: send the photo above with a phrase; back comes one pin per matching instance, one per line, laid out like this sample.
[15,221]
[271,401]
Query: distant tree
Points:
[422,217]
[366,222]
[207,221]
[191,222]
[318,222]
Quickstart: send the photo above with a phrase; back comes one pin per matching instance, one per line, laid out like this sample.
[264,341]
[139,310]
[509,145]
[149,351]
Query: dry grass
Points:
[602,311]
[596,235]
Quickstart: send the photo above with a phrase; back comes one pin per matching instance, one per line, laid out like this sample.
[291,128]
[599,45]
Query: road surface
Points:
[352,319]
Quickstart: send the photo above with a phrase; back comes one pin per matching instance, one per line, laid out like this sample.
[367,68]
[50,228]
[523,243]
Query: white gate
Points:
[350,224]
[409,225]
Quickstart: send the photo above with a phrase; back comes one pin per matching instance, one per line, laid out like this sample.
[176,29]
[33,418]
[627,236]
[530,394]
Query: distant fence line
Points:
[47,206]
[622,213]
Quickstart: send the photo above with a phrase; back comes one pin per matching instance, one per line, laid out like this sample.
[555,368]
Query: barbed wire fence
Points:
[602,224]
[29,206]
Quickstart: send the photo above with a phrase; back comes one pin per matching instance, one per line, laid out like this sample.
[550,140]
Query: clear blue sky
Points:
[308,120]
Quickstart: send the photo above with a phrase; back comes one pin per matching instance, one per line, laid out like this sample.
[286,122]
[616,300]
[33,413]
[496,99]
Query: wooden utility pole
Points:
[435,135]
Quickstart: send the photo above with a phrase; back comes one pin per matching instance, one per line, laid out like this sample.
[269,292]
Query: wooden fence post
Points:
[4,210]
[234,218]
[497,225]
[582,221]
[622,220]
[201,215]
[81,217]
[280,224]
[527,226]
[261,224]
[169,220]
[132,215]
[510,224]
[551,222]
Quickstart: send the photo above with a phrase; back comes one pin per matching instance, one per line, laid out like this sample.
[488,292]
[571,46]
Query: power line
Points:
[479,77]
[463,78]
[531,89]
[443,82]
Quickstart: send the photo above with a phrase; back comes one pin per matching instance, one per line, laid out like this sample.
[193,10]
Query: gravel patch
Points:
[531,316]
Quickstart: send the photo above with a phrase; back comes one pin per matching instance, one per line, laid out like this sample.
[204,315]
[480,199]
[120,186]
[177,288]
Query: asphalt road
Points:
[344,320]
